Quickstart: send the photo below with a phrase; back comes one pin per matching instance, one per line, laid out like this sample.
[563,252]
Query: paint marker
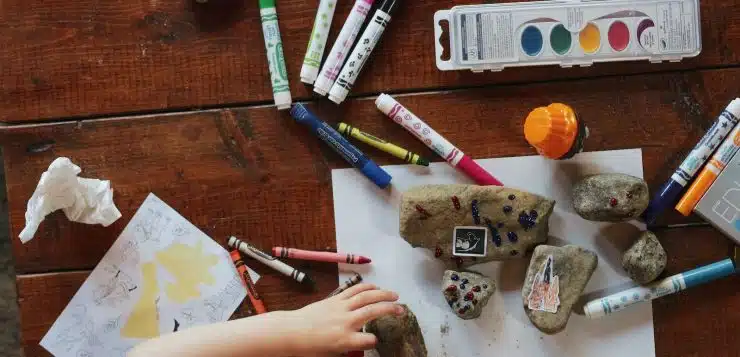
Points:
[434,141]
[343,44]
[709,174]
[362,51]
[329,257]
[317,42]
[336,141]
[275,59]
[619,301]
[668,194]
[270,261]
[354,280]
[255,305]
[382,145]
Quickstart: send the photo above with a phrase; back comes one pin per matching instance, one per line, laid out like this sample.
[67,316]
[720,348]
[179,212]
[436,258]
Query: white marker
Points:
[317,42]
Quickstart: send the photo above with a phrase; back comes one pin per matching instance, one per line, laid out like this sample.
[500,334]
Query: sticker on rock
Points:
[545,289]
[469,241]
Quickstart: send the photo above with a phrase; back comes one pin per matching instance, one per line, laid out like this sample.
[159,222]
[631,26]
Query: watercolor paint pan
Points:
[566,33]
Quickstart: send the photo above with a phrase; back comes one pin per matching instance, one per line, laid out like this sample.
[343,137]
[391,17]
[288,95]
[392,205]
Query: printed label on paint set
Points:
[496,36]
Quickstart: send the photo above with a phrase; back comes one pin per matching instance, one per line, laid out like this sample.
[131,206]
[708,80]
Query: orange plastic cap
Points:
[551,130]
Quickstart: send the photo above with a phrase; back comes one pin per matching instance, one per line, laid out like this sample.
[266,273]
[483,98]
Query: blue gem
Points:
[497,240]
[464,281]
[462,287]
[508,209]
[474,208]
[454,277]
[512,237]
[533,214]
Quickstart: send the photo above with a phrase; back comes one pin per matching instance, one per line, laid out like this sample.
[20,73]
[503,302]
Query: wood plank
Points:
[87,57]
[698,322]
[254,173]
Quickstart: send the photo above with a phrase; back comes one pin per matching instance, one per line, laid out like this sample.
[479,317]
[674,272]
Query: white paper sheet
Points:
[367,223]
[111,304]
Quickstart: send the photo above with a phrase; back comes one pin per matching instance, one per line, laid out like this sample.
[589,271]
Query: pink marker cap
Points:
[477,173]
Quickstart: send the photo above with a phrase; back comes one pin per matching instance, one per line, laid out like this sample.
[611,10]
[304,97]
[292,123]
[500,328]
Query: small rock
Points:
[646,259]
[398,336]
[516,221]
[558,284]
[610,197]
[469,290]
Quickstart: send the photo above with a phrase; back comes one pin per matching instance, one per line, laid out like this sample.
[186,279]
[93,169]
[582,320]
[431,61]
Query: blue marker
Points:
[619,301]
[337,142]
[671,190]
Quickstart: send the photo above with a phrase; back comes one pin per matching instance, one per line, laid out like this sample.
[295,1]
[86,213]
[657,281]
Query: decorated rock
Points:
[398,336]
[646,259]
[610,197]
[555,280]
[466,292]
[505,222]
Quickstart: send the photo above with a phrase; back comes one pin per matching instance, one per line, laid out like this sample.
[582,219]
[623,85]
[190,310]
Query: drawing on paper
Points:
[116,289]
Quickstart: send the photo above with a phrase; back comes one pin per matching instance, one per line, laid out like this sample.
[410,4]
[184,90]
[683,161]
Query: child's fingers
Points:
[371,312]
[362,341]
[371,297]
[344,295]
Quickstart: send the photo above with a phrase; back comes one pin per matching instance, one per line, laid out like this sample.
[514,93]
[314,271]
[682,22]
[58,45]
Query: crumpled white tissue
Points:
[83,200]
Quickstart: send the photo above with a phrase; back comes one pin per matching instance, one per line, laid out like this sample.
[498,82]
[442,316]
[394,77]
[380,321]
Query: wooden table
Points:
[173,97]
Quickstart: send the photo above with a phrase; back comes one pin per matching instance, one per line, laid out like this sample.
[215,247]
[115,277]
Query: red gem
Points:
[421,210]
[461,311]
[476,288]
[451,288]
[613,202]
[437,252]
[456,202]
[469,296]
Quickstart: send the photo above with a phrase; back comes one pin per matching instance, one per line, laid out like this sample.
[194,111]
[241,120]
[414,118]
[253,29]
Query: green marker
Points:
[275,59]
[317,42]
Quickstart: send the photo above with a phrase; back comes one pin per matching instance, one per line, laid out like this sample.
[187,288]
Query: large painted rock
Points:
[466,292]
[646,259]
[555,280]
[610,197]
[398,336]
[515,221]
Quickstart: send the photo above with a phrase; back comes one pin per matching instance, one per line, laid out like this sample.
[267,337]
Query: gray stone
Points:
[646,259]
[610,197]
[518,220]
[571,269]
[398,336]
[467,292]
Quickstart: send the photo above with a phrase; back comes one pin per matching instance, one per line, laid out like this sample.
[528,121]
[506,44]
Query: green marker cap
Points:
[267,4]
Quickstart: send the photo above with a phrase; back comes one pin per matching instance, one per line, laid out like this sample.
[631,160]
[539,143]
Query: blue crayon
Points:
[621,300]
[671,190]
[336,141]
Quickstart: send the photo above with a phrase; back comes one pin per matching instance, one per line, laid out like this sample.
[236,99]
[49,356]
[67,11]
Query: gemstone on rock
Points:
[508,209]
[469,296]
[461,311]
[437,252]
[464,281]
[455,277]
[512,197]
[533,214]
[613,202]
[512,237]
[452,288]
[456,202]
[476,288]
[476,212]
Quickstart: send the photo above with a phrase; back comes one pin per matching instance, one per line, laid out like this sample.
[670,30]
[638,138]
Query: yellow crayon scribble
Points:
[144,320]
[190,266]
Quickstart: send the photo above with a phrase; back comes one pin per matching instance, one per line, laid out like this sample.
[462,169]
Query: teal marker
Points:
[275,59]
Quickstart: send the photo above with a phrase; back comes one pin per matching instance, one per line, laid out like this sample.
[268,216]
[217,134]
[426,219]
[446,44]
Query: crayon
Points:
[330,257]
[275,59]
[336,141]
[341,47]
[434,141]
[382,145]
[354,280]
[270,261]
[254,303]
[670,191]
[709,174]
[317,41]
[619,301]
[360,54]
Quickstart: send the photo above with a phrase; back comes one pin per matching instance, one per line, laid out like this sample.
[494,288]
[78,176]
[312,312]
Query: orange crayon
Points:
[330,257]
[255,304]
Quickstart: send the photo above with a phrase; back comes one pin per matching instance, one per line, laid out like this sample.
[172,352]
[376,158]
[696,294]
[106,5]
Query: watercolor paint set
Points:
[567,33]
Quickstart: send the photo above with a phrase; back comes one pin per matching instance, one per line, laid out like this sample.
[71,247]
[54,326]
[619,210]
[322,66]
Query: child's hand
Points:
[333,325]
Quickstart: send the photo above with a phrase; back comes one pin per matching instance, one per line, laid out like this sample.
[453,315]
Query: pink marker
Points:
[434,141]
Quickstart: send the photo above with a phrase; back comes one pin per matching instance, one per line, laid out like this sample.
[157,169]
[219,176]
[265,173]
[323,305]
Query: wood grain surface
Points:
[84,58]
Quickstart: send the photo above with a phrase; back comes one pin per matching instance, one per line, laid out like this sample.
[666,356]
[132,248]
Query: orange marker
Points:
[555,131]
[709,174]
[255,304]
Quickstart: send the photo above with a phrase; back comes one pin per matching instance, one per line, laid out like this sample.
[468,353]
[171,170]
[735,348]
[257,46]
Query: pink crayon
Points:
[454,156]
[331,257]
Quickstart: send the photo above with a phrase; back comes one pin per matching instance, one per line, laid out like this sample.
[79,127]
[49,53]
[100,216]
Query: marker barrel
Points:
[619,301]
[454,156]
[341,47]
[317,41]
[254,303]
[336,141]
[275,58]
[380,144]
[270,261]
[330,257]
[359,56]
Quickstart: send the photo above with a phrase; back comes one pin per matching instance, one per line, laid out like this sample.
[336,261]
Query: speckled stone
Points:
[610,197]
[646,259]
[398,336]
[516,220]
[573,266]
[466,292]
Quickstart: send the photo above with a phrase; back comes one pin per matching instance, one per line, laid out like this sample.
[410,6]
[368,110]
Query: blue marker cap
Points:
[663,199]
[376,174]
